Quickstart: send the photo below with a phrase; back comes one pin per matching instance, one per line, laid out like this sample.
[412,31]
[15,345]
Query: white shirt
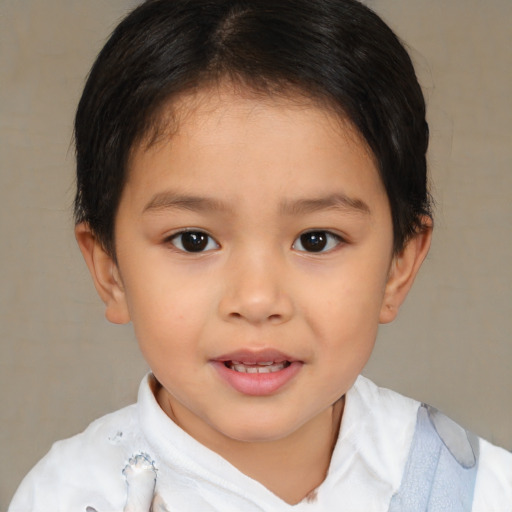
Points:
[366,467]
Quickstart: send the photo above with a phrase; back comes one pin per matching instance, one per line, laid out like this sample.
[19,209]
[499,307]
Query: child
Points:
[252,196]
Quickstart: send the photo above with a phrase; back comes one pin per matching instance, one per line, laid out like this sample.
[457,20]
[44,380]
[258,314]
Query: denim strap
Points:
[440,473]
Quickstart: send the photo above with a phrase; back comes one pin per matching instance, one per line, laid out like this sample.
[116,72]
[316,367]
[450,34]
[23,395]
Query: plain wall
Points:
[62,365]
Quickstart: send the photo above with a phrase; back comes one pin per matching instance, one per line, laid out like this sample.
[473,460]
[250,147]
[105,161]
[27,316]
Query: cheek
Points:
[352,302]
[345,321]
[168,312]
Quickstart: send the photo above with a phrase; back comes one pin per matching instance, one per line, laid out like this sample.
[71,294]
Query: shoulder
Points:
[493,489]
[80,471]
[397,418]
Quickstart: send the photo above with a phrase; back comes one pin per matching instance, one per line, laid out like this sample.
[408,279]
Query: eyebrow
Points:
[173,201]
[339,201]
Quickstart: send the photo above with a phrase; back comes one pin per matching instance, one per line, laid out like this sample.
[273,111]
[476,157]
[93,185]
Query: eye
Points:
[317,241]
[193,241]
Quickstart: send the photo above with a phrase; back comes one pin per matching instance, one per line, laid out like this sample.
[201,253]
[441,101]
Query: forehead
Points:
[213,101]
[220,134]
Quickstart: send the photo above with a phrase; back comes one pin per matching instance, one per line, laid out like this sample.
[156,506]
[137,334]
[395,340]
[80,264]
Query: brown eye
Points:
[194,241]
[316,241]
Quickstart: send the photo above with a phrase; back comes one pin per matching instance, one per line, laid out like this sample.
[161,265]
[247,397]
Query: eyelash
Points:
[321,241]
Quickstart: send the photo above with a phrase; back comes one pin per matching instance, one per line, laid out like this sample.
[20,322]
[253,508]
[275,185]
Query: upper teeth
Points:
[262,363]
[260,367]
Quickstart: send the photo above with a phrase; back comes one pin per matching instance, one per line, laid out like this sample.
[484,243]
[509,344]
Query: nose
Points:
[256,290]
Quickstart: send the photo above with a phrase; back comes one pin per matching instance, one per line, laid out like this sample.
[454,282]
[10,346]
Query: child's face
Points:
[260,232]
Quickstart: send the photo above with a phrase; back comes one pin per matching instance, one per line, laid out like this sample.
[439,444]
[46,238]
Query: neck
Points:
[291,467]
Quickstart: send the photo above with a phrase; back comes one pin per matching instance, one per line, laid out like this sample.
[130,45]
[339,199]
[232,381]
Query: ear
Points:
[105,275]
[403,270]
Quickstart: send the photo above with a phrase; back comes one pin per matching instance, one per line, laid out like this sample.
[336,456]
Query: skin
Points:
[254,174]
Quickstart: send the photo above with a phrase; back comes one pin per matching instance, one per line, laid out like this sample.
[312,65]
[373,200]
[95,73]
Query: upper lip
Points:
[256,356]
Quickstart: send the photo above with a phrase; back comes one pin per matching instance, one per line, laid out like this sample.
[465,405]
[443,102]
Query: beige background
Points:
[62,365]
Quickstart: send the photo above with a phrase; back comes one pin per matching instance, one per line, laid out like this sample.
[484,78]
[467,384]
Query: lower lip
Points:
[257,384]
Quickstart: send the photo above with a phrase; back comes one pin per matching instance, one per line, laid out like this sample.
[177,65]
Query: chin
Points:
[259,430]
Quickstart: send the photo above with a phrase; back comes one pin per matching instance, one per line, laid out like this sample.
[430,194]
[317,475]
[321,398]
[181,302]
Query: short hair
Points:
[337,52]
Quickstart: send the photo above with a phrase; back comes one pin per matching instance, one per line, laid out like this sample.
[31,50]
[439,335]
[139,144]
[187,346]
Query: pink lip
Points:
[256,356]
[257,384]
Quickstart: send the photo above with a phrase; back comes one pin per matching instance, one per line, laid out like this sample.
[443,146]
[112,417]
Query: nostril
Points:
[271,318]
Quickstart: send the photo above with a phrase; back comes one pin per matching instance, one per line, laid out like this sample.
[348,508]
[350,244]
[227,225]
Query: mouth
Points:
[258,367]
[257,373]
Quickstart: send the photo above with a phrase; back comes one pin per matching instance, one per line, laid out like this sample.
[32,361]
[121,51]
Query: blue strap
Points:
[440,473]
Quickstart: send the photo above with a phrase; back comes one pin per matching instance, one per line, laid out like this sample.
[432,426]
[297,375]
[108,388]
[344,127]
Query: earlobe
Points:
[404,268]
[105,274]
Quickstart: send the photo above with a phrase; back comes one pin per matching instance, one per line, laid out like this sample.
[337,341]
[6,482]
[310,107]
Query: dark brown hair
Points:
[338,52]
